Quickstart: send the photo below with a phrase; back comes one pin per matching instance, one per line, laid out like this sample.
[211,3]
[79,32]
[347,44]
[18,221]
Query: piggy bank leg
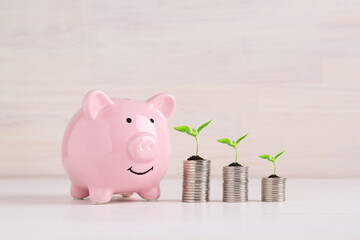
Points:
[100,196]
[78,193]
[150,194]
[126,195]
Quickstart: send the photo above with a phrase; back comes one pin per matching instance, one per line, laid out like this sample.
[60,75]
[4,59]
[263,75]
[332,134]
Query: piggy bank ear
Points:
[95,101]
[164,103]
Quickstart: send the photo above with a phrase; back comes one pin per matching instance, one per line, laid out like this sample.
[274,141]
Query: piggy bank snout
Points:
[143,148]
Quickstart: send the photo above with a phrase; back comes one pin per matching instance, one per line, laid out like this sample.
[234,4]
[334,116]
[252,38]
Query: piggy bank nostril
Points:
[146,146]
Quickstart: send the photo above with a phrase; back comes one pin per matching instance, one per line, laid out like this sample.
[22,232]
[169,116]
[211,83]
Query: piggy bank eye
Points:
[128,120]
[151,120]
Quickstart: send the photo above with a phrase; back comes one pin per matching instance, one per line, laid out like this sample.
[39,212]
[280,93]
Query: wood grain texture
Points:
[287,72]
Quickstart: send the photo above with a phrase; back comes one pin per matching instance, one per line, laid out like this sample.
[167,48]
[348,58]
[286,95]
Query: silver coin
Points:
[196,189]
[235,190]
[200,188]
[196,166]
[196,185]
[195,198]
[195,194]
[195,201]
[190,197]
[195,182]
[185,183]
[197,176]
[234,194]
[238,183]
[196,179]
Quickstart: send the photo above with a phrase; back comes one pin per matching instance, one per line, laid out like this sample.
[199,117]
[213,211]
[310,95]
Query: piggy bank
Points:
[117,146]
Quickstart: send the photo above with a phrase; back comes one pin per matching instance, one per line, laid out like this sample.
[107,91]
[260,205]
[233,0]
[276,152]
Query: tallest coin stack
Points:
[196,181]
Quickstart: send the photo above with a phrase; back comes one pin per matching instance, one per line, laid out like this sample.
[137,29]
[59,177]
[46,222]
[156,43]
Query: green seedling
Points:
[194,133]
[232,143]
[272,159]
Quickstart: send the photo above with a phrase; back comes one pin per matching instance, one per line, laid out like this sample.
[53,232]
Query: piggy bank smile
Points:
[140,173]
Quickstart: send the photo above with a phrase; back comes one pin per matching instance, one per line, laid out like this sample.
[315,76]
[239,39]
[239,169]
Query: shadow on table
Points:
[66,200]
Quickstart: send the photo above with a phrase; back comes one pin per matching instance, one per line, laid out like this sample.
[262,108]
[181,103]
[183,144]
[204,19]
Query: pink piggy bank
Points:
[117,146]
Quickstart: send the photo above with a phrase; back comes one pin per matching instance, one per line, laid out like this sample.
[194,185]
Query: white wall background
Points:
[287,72]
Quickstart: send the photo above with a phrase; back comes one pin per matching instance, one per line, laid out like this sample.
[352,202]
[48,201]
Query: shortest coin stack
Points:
[196,181]
[235,184]
[273,189]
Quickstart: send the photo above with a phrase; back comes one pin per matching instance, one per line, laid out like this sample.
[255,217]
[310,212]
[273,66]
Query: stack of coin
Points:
[273,189]
[235,184]
[196,181]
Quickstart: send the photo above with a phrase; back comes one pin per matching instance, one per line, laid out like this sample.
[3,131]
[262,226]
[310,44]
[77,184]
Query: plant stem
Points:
[274,168]
[197,146]
[235,155]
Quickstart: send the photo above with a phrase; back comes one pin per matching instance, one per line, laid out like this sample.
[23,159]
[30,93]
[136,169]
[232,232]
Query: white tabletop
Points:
[41,208]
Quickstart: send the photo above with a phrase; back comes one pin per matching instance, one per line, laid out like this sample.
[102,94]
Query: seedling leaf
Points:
[226,141]
[185,129]
[266,157]
[237,141]
[194,132]
[203,125]
[279,154]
